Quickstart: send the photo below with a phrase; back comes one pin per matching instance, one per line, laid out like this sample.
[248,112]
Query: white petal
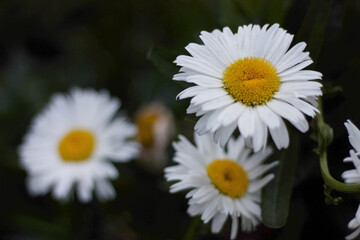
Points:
[290,113]
[234,227]
[280,135]
[256,186]
[205,81]
[354,135]
[218,222]
[200,66]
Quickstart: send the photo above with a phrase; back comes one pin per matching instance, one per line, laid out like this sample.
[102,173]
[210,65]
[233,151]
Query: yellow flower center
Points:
[228,177]
[252,81]
[77,145]
[145,122]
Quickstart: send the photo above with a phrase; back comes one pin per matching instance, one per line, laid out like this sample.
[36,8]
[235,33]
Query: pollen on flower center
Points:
[251,80]
[77,145]
[145,123]
[228,177]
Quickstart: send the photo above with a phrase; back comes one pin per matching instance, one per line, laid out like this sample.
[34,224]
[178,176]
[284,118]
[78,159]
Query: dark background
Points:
[128,47]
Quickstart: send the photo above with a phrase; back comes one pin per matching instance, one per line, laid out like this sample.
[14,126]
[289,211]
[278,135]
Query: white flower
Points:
[249,80]
[353,176]
[354,224]
[223,183]
[70,142]
[155,129]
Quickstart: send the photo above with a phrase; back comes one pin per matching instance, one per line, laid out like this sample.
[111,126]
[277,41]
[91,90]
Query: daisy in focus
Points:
[353,176]
[222,183]
[249,80]
[68,146]
[156,128]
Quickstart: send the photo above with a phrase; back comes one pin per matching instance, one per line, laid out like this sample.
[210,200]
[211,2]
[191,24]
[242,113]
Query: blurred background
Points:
[127,47]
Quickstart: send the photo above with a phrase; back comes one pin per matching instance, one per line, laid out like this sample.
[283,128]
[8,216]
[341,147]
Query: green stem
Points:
[323,141]
[190,233]
[332,182]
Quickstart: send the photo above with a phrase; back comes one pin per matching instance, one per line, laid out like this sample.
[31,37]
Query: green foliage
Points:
[276,195]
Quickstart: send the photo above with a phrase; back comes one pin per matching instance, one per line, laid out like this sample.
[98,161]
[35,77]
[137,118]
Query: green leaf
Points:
[276,195]
[313,27]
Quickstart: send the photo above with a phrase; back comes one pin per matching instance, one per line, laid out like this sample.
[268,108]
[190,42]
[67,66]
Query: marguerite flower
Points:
[155,125]
[353,176]
[70,142]
[223,183]
[249,80]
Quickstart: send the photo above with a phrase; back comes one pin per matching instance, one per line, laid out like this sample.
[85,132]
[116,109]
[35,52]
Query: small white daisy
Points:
[223,183]
[249,80]
[70,142]
[353,176]
[155,124]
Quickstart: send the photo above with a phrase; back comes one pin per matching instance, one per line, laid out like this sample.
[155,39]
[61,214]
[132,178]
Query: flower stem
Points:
[324,138]
[190,233]
[332,182]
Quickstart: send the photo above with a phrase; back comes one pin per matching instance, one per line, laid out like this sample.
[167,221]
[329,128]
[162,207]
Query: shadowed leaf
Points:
[276,195]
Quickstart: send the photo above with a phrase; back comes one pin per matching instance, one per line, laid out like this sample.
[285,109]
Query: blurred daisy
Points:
[223,183]
[249,80]
[69,143]
[155,129]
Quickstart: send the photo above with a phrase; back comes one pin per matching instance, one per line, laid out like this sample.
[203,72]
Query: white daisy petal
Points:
[205,81]
[218,222]
[234,227]
[223,134]
[280,135]
[290,113]
[354,135]
[199,66]
[221,183]
[295,68]
[291,55]
[201,52]
[261,183]
[230,84]
[302,75]
[69,143]
[354,224]
[217,103]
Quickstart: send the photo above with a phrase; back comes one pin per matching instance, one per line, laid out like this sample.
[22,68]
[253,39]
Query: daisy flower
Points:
[155,125]
[223,183]
[249,80]
[353,176]
[68,146]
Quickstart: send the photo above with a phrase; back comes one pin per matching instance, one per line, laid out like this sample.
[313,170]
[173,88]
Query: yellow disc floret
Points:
[77,145]
[228,177]
[145,122]
[251,80]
